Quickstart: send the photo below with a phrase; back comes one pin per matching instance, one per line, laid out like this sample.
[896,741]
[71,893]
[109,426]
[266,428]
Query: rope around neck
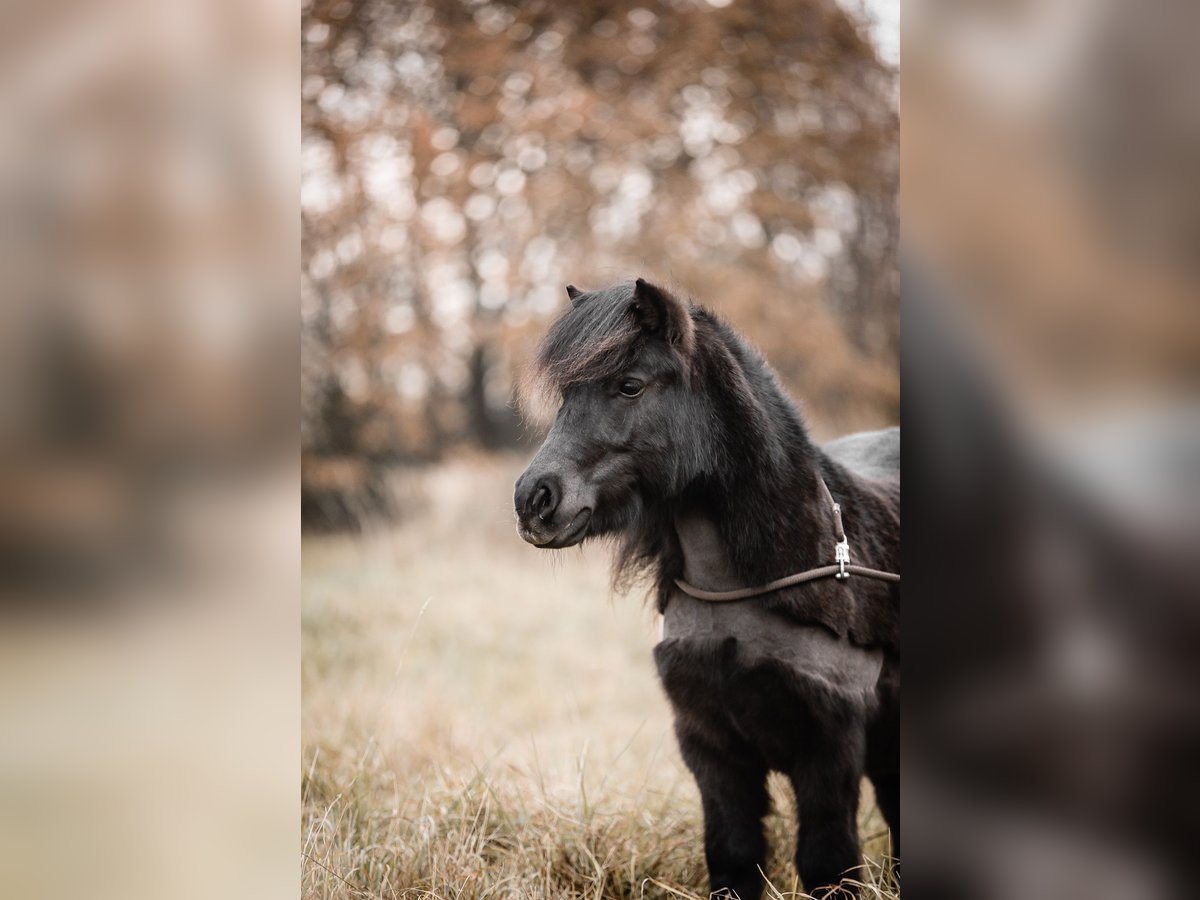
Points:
[841,569]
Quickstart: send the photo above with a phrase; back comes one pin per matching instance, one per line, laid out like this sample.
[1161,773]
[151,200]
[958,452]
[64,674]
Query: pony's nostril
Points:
[541,500]
[537,497]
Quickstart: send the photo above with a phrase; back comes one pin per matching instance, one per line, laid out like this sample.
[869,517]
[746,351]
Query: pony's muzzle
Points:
[543,519]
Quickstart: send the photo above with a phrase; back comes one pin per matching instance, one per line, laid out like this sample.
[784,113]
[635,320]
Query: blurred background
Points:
[462,162]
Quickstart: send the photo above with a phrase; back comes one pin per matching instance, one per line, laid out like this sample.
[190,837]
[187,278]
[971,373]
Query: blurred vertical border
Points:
[149,543]
[1052,459]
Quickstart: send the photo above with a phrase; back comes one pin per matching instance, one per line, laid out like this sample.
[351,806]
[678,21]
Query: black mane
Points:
[590,340]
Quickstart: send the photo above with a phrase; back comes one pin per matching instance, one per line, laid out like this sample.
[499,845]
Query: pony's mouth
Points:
[574,532]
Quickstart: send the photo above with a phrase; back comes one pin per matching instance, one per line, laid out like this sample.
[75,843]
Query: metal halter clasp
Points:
[842,557]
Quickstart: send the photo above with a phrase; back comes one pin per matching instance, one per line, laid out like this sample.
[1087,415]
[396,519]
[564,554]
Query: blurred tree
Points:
[464,160]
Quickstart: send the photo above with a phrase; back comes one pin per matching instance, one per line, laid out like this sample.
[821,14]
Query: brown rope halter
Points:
[841,569]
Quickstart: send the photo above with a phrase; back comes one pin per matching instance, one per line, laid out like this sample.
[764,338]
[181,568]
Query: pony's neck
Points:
[760,514]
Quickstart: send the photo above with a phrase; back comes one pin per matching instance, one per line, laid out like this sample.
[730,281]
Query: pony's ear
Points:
[574,293]
[662,314]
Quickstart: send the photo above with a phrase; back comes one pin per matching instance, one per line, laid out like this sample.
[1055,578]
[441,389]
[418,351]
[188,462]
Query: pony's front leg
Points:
[733,792]
[827,847]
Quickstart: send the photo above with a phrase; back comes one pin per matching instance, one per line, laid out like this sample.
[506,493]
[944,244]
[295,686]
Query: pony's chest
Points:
[696,627]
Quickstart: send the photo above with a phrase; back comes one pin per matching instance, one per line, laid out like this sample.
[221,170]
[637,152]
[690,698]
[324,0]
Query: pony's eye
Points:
[631,387]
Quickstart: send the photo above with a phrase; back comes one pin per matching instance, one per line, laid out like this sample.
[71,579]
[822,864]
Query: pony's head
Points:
[630,427]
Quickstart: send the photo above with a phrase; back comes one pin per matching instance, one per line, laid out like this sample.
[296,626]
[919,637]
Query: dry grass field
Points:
[482,719]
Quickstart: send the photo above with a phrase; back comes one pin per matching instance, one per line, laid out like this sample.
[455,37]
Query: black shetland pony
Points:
[674,438]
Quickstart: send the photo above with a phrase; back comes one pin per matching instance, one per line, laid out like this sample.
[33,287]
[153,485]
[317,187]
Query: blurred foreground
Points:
[480,715]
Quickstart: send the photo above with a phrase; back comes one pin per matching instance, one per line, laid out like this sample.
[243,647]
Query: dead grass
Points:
[482,720]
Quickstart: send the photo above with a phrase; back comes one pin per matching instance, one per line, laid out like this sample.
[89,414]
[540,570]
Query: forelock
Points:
[593,339]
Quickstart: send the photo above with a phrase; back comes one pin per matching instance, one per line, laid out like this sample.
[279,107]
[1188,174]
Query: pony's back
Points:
[869,454]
